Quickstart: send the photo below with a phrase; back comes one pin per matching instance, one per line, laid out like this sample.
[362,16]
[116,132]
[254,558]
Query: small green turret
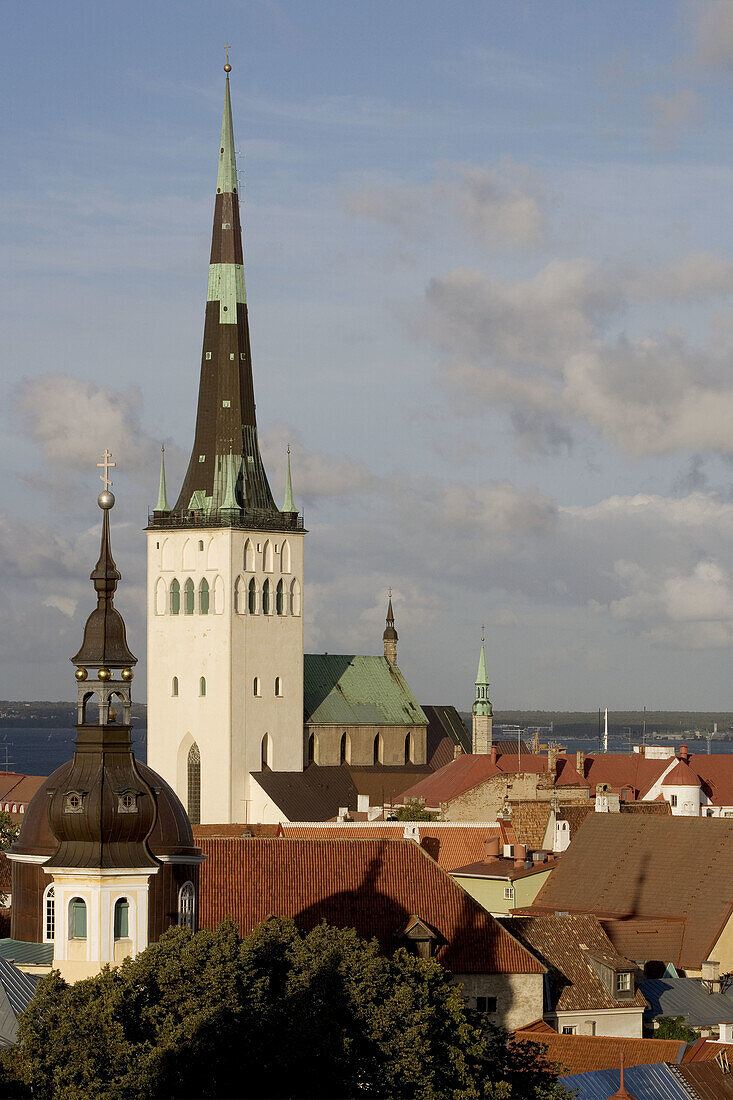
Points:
[162,505]
[482,724]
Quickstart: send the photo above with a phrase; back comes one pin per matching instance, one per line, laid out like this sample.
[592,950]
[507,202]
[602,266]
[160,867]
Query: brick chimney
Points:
[520,854]
[580,763]
[684,753]
[552,754]
[710,976]
[494,754]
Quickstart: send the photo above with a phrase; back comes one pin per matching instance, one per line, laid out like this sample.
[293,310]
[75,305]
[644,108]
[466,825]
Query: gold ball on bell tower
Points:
[104,674]
[127,674]
[81,674]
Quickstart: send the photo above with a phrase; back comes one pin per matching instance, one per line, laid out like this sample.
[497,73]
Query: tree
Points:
[279,1014]
[414,810]
[673,1027]
[8,830]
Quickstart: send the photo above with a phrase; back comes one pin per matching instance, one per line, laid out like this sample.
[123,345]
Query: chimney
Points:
[362,803]
[711,976]
[493,754]
[457,751]
[725,1033]
[684,753]
[492,847]
[520,854]
[580,763]
[552,751]
[343,813]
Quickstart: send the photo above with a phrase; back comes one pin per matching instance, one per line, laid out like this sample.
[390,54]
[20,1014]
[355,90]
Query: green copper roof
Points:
[162,505]
[482,675]
[229,504]
[226,181]
[289,503]
[347,690]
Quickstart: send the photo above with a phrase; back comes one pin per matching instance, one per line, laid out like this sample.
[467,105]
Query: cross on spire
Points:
[106,464]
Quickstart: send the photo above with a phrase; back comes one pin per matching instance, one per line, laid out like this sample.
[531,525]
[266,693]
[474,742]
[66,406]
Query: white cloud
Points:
[316,475]
[673,113]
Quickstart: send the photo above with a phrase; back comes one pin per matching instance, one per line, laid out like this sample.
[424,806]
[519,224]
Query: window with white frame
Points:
[187,906]
[49,913]
[569,1029]
[508,893]
[623,981]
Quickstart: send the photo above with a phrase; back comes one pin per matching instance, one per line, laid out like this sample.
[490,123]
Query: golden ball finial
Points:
[81,674]
[127,674]
[104,674]
[227,68]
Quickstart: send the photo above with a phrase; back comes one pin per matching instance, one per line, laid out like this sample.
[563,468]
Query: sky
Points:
[489,260]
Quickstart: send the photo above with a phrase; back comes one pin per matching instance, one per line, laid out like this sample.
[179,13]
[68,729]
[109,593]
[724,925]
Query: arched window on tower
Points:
[49,913]
[175,598]
[266,608]
[239,603]
[194,785]
[202,686]
[278,687]
[267,751]
[204,596]
[378,749]
[122,919]
[268,558]
[345,749]
[285,558]
[188,597]
[252,596]
[312,747]
[77,919]
[187,906]
[280,597]
[174,687]
[249,557]
[408,748]
[295,597]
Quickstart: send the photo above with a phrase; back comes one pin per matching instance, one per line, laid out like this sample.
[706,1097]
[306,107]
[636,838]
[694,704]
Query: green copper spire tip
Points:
[162,505]
[226,181]
[289,503]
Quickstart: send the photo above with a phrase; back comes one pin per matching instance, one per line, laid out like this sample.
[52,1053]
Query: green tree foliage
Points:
[279,1014]
[673,1027]
[8,830]
[414,810]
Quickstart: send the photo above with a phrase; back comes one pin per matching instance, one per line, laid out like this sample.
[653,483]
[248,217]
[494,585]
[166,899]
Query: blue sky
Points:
[489,264]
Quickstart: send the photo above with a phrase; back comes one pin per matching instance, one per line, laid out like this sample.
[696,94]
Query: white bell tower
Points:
[225,571]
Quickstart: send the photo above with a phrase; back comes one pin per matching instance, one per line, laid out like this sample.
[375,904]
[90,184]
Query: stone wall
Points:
[360,745]
[483,802]
[519,997]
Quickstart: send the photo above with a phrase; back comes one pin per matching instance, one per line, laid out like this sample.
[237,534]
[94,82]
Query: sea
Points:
[33,750]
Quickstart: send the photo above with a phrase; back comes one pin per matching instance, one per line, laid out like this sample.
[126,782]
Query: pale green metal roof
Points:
[227,177]
[348,690]
[289,503]
[162,505]
[20,951]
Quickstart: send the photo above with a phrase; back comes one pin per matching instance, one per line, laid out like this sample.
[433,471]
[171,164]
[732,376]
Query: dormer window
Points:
[623,981]
[74,802]
[127,802]
[420,939]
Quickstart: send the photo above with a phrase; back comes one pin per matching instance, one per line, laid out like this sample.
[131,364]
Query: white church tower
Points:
[225,570]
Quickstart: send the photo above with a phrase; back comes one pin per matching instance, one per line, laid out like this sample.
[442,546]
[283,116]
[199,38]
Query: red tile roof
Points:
[655,940]
[450,844]
[681,775]
[370,885]
[585,1053]
[706,1049]
[640,866]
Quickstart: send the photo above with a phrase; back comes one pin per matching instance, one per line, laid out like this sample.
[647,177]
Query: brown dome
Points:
[171,834]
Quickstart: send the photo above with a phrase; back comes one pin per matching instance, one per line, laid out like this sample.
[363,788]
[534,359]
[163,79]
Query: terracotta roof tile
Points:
[628,865]
[370,885]
[450,844]
[647,940]
[574,984]
[681,775]
[706,1049]
[530,820]
[585,1053]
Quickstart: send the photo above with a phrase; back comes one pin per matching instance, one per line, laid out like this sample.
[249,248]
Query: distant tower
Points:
[390,635]
[105,860]
[225,570]
[482,712]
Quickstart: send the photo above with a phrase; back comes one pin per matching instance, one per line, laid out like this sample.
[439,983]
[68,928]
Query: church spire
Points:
[289,503]
[162,505]
[225,419]
[482,724]
[390,637]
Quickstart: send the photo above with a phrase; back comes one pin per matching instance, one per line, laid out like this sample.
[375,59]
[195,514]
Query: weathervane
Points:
[106,464]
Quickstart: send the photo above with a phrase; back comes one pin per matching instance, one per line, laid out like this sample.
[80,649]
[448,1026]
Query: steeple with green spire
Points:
[162,505]
[482,703]
[289,503]
[483,722]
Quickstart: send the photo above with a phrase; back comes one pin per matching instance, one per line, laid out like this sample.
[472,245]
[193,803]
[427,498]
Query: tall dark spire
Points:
[226,428]
[390,637]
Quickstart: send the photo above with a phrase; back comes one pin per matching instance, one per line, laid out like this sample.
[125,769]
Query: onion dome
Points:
[390,634]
